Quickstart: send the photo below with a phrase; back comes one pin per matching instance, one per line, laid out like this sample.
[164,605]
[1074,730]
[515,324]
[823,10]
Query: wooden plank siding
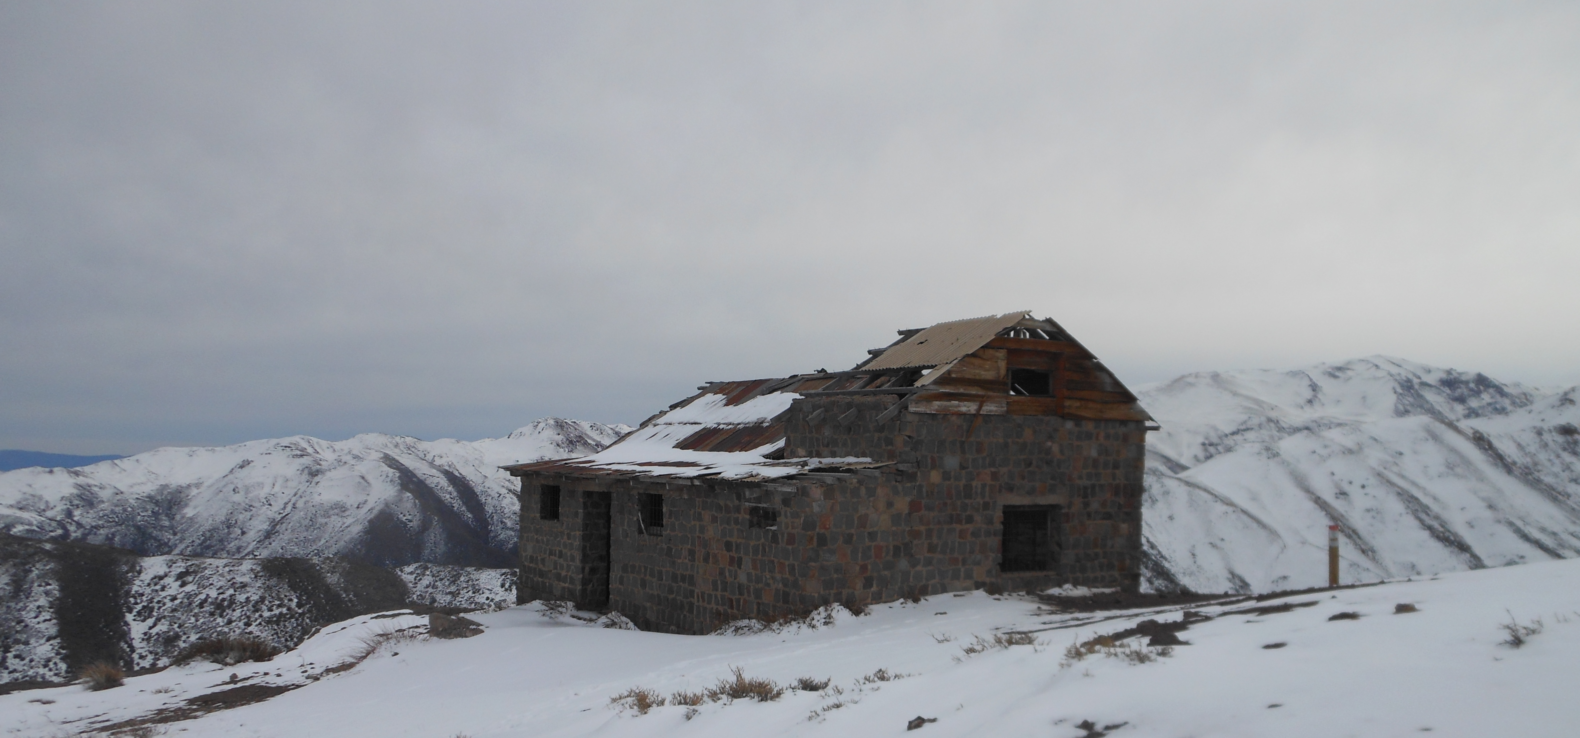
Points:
[1082,387]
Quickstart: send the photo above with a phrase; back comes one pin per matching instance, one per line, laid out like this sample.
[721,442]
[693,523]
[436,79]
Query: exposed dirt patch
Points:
[201,705]
[1162,633]
[1270,609]
[1128,600]
[238,696]
[1344,616]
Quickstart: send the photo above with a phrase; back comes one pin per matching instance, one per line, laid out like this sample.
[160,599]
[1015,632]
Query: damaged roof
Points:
[731,430]
[945,342]
[736,430]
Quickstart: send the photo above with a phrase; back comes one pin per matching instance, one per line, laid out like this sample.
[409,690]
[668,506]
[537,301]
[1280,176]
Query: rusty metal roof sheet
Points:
[945,342]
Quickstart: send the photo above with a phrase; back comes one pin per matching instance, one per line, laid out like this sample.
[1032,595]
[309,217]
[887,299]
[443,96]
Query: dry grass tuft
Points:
[689,699]
[1005,640]
[742,687]
[228,650]
[808,684]
[638,699]
[881,675]
[1518,632]
[375,641]
[101,675]
[979,644]
[1131,653]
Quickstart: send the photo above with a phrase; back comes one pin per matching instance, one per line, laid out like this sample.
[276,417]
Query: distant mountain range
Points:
[12,459]
[372,499]
[1424,469]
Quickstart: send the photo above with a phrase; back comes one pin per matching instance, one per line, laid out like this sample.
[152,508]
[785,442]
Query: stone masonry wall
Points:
[551,566]
[957,471]
[929,524]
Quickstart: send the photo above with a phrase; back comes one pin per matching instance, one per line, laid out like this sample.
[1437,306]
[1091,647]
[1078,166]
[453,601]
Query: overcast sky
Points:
[227,221]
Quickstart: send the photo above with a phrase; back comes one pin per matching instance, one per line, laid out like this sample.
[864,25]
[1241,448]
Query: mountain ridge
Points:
[373,498]
[1424,469]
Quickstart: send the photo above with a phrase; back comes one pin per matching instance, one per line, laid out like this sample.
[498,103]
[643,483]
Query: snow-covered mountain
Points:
[373,498]
[71,604]
[1424,469]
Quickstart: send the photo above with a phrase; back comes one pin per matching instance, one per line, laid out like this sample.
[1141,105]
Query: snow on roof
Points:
[728,432]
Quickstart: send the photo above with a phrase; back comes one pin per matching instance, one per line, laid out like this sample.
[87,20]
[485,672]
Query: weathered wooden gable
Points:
[1079,385]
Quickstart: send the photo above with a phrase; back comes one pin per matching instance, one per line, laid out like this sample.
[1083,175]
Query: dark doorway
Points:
[593,594]
[1031,538]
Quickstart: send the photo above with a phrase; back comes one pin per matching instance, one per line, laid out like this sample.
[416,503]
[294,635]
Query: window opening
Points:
[650,513]
[762,516]
[549,502]
[1030,383]
[1030,540]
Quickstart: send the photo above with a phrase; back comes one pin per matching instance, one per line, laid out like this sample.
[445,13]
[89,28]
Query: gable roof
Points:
[736,430]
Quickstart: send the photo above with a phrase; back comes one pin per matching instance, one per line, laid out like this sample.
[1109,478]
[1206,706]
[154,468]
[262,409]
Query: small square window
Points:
[549,502]
[762,516]
[1030,383]
[650,513]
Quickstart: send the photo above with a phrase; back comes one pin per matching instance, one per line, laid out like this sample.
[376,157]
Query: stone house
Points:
[991,453]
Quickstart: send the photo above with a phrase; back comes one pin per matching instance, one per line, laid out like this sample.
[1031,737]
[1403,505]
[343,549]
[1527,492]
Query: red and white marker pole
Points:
[1333,556]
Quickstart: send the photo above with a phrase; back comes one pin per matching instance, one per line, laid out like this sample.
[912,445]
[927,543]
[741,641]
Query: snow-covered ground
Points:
[1442,669]
[374,498]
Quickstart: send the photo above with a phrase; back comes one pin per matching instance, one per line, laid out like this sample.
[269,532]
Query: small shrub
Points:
[808,684]
[1404,607]
[101,675]
[1518,632]
[1005,640]
[743,687]
[371,643]
[227,650]
[638,699]
[977,645]
[1132,653]
[689,699]
[881,675]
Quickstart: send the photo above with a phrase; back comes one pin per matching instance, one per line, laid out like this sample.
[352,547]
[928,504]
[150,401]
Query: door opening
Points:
[593,592]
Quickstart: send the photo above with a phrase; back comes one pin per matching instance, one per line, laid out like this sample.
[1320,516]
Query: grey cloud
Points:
[231,221]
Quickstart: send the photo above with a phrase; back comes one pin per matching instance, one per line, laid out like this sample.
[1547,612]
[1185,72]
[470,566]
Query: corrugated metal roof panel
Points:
[945,342]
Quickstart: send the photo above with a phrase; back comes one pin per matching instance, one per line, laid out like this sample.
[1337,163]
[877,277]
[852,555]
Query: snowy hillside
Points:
[1425,469]
[70,604]
[1407,658]
[374,498]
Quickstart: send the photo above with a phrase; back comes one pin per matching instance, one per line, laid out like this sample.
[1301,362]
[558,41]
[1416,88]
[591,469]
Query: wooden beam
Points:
[878,391]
